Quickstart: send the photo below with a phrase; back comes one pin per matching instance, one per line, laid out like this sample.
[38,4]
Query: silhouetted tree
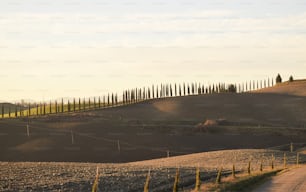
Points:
[108,99]
[44,108]
[278,79]
[180,90]
[184,89]
[29,110]
[2,110]
[89,103]
[232,88]
[50,107]
[15,110]
[37,109]
[68,106]
[79,104]
[291,79]
[84,104]
[188,89]
[99,102]
[56,107]
[9,111]
[62,105]
[73,104]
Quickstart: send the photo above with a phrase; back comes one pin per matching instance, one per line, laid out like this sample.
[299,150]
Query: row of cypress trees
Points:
[131,96]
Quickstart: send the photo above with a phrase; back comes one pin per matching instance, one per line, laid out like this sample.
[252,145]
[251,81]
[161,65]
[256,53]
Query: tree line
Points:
[130,96]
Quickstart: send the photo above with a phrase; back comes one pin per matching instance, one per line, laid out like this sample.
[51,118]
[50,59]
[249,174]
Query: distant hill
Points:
[297,87]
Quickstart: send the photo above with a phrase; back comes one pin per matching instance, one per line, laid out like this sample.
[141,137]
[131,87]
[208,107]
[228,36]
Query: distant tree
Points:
[50,107]
[108,100]
[62,105]
[73,104]
[180,90]
[68,106]
[291,79]
[188,89]
[278,79]
[84,104]
[232,88]
[29,110]
[79,103]
[56,107]
[2,110]
[9,113]
[44,108]
[89,104]
[175,91]
[99,102]
[15,110]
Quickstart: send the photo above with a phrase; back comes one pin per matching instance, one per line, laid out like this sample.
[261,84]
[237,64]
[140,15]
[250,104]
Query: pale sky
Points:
[77,48]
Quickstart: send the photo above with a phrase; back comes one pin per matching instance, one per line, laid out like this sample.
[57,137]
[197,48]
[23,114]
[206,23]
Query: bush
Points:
[291,79]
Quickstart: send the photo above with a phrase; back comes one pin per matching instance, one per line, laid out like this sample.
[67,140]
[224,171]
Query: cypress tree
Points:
[84,104]
[68,106]
[62,105]
[73,104]
[157,92]
[50,109]
[184,90]
[153,96]
[112,99]
[180,90]
[278,79]
[2,110]
[192,88]
[44,108]
[79,104]
[99,102]
[56,107]
[37,109]
[29,110]
[94,102]
[170,90]
[108,100]
[188,89]
[89,104]
[9,112]
[15,110]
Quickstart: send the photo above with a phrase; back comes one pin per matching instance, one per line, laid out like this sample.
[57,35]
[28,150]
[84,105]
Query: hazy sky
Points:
[77,48]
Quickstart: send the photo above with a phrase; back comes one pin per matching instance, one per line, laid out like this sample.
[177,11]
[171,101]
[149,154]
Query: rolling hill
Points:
[157,128]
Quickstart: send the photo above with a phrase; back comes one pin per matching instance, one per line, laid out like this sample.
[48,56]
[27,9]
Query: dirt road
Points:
[293,180]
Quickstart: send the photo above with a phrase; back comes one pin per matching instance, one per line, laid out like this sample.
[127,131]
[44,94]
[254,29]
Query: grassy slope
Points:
[148,129]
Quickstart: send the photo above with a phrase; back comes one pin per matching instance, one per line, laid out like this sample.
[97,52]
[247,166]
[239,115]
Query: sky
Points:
[76,48]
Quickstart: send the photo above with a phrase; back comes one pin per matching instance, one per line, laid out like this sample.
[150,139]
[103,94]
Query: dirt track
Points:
[293,180]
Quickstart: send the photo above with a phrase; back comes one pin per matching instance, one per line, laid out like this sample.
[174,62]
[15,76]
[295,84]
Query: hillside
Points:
[156,128]
[297,87]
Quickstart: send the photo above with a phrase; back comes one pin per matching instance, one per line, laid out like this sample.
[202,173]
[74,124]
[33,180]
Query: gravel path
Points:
[52,176]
